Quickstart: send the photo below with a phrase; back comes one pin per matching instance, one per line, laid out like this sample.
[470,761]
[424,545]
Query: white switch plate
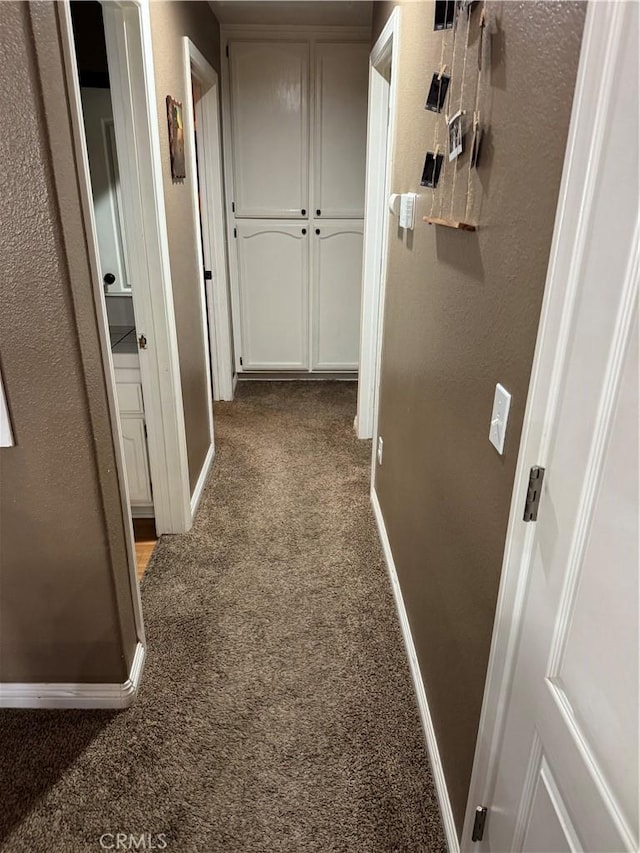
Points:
[407,210]
[380,446]
[499,417]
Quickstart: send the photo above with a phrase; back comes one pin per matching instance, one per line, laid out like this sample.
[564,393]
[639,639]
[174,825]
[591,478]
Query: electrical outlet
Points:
[380,446]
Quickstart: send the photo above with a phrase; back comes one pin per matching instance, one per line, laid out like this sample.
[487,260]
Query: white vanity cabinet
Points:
[134,438]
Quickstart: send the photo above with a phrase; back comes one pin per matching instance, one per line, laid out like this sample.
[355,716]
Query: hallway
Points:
[276,711]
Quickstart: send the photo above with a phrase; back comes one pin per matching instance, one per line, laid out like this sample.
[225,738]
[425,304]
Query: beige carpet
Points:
[277,711]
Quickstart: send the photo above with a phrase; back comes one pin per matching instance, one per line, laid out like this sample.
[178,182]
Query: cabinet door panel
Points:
[270,118]
[337,284]
[340,134]
[136,460]
[273,264]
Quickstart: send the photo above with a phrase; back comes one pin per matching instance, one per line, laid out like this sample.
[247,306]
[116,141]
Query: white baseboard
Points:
[423,706]
[202,479]
[14,695]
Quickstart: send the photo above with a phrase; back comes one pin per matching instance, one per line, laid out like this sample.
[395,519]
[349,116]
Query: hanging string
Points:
[476,106]
[441,71]
[464,74]
[446,112]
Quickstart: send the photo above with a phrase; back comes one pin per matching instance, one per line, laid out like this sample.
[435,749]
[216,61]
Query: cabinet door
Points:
[337,284]
[136,460]
[270,118]
[340,129]
[273,268]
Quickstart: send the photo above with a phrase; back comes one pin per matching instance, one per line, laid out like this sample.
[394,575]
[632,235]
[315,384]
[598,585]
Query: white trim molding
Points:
[421,697]
[380,139]
[595,90]
[86,695]
[202,480]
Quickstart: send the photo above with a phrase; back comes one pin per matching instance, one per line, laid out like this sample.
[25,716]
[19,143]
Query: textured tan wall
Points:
[170,21]
[66,610]
[461,314]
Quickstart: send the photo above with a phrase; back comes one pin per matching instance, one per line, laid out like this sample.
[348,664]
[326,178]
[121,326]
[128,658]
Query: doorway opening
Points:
[112,97]
[203,138]
[115,274]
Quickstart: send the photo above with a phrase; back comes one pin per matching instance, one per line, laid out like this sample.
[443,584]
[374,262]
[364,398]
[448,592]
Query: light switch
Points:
[499,417]
[407,210]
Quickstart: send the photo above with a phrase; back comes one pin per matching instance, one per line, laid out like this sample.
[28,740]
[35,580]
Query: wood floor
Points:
[145,535]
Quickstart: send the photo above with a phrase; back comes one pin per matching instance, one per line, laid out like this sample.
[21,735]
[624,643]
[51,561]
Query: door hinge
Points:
[144,427]
[240,361]
[142,342]
[227,50]
[478,823]
[208,275]
[233,207]
[534,491]
[235,233]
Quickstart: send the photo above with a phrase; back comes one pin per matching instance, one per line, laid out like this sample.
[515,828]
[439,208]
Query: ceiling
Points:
[316,13]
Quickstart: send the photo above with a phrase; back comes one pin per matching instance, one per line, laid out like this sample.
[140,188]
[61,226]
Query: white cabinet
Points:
[273,262]
[340,129]
[136,459]
[297,145]
[133,431]
[270,127]
[336,286]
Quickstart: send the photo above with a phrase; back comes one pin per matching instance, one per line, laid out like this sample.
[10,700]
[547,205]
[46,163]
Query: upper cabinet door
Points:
[340,133]
[270,127]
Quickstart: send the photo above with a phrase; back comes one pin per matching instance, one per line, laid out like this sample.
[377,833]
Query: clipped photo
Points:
[456,136]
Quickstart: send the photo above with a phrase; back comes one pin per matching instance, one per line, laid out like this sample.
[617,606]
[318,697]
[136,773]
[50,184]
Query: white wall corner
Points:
[85,696]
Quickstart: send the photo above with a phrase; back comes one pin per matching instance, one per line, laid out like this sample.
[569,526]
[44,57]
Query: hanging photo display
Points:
[444,14]
[456,136]
[437,93]
[432,169]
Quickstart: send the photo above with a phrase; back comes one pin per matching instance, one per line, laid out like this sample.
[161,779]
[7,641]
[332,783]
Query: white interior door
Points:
[340,135]
[567,762]
[273,265]
[105,187]
[336,285]
[269,85]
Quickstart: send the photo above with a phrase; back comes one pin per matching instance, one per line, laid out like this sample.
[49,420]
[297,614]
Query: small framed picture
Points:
[176,139]
[456,136]
[437,93]
[431,170]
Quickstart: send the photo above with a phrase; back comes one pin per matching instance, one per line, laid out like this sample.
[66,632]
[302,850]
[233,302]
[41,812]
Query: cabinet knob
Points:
[109,278]
[318,213]
[317,230]
[303,212]
[304,230]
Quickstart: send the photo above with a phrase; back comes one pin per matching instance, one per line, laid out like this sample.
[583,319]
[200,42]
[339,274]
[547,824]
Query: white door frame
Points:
[380,137]
[595,89]
[211,214]
[133,94]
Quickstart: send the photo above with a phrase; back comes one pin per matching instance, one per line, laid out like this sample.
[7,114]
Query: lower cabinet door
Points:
[273,268]
[336,294]
[136,460]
